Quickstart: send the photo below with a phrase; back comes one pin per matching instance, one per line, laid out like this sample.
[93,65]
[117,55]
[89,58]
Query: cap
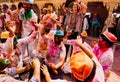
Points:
[110,36]
[4,35]
[3,61]
[30,1]
[59,33]
[81,65]
[5,4]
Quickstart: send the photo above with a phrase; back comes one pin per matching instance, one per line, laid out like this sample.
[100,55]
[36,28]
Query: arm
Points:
[87,51]
[23,69]
[36,66]
[83,7]
[46,73]
[84,48]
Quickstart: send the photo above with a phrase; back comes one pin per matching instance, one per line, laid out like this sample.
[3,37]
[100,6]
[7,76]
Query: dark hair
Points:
[3,40]
[107,40]
[5,5]
[20,4]
[68,2]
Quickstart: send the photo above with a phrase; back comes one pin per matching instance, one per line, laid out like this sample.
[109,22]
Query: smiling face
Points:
[27,6]
[49,9]
[74,7]
[101,43]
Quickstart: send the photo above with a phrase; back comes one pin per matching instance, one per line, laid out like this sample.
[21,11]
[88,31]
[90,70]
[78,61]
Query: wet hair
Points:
[107,41]
[3,40]
[20,4]
[68,2]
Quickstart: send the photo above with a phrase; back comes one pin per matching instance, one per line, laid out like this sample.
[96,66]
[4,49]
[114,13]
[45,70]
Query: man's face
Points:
[5,8]
[58,39]
[27,7]
[101,43]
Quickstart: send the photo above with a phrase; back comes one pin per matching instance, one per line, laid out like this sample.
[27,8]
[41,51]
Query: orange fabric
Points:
[81,65]
[110,36]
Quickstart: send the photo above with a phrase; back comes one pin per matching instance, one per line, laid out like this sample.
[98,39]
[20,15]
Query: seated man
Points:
[56,55]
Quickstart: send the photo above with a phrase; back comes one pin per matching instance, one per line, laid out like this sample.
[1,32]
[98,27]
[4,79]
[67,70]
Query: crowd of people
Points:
[52,46]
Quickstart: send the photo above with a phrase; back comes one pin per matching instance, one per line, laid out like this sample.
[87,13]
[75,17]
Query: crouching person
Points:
[4,63]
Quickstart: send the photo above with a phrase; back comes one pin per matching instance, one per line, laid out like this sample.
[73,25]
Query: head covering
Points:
[3,61]
[4,35]
[30,1]
[110,36]
[81,65]
[5,4]
[59,33]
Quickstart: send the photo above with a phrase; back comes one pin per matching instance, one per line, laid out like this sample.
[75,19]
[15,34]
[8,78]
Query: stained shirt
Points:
[105,58]
[55,52]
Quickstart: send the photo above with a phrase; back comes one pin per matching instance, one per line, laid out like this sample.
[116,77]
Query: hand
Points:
[44,69]
[27,67]
[33,23]
[35,63]
[79,41]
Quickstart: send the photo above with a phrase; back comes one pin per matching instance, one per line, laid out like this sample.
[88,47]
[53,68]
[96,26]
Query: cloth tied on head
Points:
[30,1]
[81,65]
[59,33]
[5,4]
[3,61]
[4,35]
[110,36]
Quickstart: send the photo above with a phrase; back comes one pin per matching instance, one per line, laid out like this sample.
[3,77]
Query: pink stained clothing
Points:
[104,57]
[42,45]
[23,47]
[75,47]
[16,18]
[1,25]
[27,27]
[99,74]
[76,22]
[55,53]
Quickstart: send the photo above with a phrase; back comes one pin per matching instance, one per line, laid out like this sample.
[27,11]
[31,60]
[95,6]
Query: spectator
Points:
[18,21]
[95,25]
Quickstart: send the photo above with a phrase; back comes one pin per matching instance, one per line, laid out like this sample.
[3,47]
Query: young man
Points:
[56,55]
[104,51]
